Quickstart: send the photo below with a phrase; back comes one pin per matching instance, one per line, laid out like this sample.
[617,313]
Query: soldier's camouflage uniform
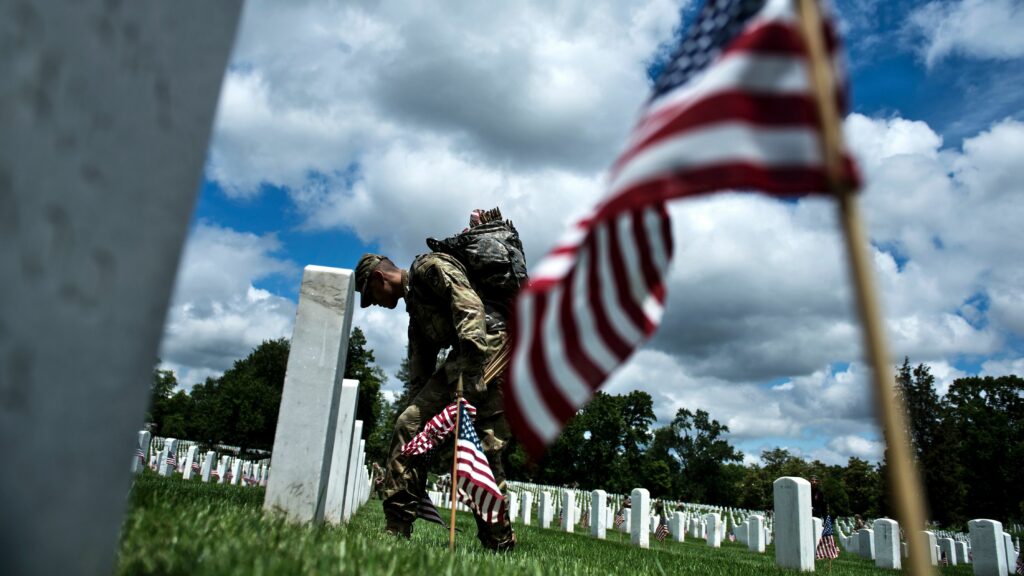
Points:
[445,311]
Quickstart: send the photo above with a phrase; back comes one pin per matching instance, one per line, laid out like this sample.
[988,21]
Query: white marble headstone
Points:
[887,544]
[793,523]
[640,510]
[598,514]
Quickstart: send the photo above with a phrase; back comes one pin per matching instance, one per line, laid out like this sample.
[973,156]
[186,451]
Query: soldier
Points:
[444,311]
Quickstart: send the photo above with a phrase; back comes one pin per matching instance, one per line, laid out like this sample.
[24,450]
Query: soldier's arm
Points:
[468,316]
[422,359]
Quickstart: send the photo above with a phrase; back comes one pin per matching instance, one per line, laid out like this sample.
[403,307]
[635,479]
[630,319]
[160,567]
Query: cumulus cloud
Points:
[217,315]
[975,28]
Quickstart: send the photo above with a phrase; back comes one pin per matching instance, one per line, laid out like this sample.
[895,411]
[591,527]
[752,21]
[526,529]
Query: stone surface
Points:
[638,514]
[756,531]
[350,507]
[208,465]
[341,453]
[947,546]
[961,552]
[713,523]
[932,547]
[886,543]
[677,527]
[304,440]
[222,469]
[793,524]
[513,506]
[190,457]
[142,451]
[816,527]
[987,548]
[105,116]
[545,510]
[236,472]
[166,467]
[526,507]
[598,514]
[568,511]
[1011,554]
[866,543]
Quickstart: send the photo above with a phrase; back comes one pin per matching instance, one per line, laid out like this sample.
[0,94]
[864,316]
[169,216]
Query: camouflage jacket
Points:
[444,311]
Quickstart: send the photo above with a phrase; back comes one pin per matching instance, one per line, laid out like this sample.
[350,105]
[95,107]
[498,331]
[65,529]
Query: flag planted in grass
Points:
[827,545]
[662,532]
[474,479]
[734,109]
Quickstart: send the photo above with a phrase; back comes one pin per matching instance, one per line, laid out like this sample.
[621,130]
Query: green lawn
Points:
[179,527]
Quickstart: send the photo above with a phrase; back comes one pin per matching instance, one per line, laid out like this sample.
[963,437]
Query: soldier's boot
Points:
[398,529]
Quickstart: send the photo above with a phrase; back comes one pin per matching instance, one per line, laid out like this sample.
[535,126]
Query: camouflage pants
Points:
[406,476]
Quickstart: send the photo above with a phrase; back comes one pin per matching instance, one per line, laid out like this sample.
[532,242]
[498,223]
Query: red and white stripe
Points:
[748,121]
[476,485]
[435,430]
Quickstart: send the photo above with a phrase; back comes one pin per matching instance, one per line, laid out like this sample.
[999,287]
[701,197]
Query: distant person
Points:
[819,504]
[858,522]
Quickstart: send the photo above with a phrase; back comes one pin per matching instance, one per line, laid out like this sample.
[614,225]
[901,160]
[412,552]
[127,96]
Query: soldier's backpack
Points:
[492,254]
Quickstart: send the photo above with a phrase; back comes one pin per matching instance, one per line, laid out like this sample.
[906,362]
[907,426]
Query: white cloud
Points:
[1005,367]
[217,315]
[975,28]
[858,446]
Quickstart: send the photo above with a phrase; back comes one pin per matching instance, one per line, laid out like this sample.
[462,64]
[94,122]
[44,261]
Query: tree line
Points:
[968,443]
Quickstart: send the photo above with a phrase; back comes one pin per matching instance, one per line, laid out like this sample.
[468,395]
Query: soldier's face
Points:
[384,293]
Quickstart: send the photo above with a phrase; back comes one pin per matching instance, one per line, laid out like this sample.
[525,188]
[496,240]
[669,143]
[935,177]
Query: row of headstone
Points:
[169,460]
[320,468]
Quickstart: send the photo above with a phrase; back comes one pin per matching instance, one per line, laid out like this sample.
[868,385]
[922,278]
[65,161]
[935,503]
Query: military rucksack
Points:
[492,254]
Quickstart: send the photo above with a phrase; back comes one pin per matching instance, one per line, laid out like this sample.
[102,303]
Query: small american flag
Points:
[827,545]
[620,518]
[140,455]
[585,521]
[733,110]
[195,467]
[475,480]
[172,461]
[732,537]
[1020,562]
[662,530]
[427,511]
[435,431]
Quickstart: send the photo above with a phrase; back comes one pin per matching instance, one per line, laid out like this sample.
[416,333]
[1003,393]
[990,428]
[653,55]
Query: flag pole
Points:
[455,462]
[904,481]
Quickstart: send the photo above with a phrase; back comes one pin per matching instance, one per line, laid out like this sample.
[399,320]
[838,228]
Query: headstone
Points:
[341,453]
[97,98]
[792,523]
[1011,554]
[169,465]
[526,507]
[141,452]
[639,511]
[546,510]
[932,545]
[513,506]
[598,514]
[676,528]
[961,552]
[816,527]
[568,511]
[236,472]
[222,469]
[304,440]
[947,546]
[866,544]
[756,530]
[713,521]
[208,465]
[886,543]
[349,507]
[190,458]
[361,473]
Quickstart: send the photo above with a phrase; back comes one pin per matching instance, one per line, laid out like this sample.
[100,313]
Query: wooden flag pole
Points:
[455,462]
[904,481]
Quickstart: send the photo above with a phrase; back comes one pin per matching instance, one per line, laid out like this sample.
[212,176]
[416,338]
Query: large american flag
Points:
[827,545]
[733,109]
[475,481]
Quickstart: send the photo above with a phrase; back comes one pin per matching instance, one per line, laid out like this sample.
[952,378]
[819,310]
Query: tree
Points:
[360,365]
[702,453]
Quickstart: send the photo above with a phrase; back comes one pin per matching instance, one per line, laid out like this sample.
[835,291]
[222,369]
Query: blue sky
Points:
[345,128]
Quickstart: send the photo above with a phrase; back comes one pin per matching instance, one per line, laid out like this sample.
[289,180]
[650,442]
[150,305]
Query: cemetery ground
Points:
[175,526]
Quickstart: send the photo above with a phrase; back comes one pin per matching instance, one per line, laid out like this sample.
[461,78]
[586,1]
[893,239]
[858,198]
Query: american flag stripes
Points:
[435,431]
[172,461]
[662,530]
[827,545]
[475,481]
[1020,562]
[733,109]
[427,511]
[620,518]
[140,455]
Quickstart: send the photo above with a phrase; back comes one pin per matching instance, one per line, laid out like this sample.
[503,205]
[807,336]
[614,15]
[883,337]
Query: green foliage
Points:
[372,408]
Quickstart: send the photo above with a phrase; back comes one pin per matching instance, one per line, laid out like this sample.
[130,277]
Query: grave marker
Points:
[713,522]
[886,544]
[568,511]
[349,507]
[676,527]
[641,508]
[304,440]
[141,452]
[598,514]
[546,511]
[866,543]
[208,465]
[756,530]
[932,546]
[190,457]
[527,507]
[341,453]
[792,523]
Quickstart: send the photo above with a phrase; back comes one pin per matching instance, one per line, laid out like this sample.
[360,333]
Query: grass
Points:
[180,527]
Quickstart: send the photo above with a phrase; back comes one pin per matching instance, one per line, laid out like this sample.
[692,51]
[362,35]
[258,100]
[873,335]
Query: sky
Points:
[347,127]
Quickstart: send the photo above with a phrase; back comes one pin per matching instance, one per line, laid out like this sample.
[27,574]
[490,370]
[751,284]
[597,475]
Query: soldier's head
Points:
[379,281]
